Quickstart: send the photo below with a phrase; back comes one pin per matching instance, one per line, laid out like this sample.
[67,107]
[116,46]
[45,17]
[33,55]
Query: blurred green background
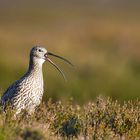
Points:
[101,37]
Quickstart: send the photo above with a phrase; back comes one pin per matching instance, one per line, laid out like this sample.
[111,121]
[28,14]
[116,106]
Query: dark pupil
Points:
[39,50]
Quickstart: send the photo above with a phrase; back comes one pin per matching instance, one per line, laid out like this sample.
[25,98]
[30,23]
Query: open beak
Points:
[62,73]
[60,58]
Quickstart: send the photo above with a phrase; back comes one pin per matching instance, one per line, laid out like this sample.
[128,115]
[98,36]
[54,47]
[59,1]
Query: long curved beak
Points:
[60,58]
[62,73]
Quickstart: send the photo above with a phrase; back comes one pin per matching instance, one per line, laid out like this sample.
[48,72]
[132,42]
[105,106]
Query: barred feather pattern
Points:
[27,92]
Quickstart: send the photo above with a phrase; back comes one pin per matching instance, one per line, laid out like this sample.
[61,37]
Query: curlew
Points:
[26,93]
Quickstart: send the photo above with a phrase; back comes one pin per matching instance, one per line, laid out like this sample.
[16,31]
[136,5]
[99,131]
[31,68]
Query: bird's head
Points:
[40,54]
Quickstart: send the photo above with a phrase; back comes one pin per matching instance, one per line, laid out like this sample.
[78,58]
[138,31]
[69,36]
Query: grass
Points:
[102,40]
[102,119]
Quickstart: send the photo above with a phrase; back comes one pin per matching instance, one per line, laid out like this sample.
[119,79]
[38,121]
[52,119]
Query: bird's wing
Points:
[9,93]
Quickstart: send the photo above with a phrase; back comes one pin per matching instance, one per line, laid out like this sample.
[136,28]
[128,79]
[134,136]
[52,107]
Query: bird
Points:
[27,92]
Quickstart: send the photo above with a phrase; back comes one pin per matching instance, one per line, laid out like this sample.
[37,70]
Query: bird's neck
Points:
[35,66]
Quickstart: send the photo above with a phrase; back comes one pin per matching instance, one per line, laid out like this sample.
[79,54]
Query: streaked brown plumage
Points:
[27,92]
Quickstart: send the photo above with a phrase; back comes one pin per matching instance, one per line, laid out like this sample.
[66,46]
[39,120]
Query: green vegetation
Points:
[102,41]
[102,119]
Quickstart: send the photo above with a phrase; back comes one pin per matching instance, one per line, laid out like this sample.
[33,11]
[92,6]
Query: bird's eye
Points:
[40,50]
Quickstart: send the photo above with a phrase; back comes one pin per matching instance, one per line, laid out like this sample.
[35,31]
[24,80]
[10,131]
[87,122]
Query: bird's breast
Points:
[32,88]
